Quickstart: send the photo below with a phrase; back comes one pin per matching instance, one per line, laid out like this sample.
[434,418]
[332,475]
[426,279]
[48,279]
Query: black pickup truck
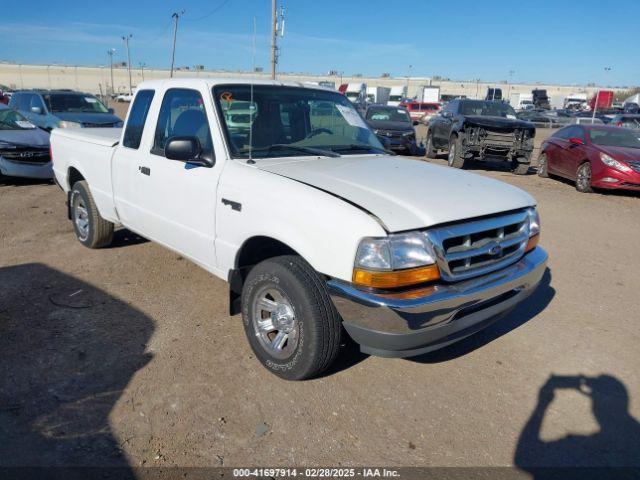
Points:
[479,129]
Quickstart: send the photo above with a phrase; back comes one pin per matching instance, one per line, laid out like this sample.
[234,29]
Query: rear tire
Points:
[289,319]
[583,178]
[92,230]
[543,166]
[430,151]
[456,155]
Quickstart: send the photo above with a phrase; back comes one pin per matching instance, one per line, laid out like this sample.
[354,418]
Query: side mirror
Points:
[575,141]
[36,110]
[188,150]
[110,110]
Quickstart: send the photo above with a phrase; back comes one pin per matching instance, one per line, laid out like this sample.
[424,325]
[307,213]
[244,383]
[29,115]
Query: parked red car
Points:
[417,110]
[595,156]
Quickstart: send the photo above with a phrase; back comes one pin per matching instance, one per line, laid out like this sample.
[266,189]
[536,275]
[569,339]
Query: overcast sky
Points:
[557,41]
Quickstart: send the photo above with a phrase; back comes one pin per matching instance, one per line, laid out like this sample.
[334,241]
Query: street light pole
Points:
[126,42]
[110,52]
[142,65]
[408,77]
[176,17]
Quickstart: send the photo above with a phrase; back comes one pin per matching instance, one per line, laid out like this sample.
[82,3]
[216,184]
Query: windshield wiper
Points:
[362,146]
[298,148]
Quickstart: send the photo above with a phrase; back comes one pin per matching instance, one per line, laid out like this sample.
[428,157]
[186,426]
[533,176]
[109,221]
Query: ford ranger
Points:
[318,231]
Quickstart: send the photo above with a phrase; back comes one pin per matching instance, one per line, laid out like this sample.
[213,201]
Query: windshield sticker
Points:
[91,100]
[351,116]
[25,124]
[400,111]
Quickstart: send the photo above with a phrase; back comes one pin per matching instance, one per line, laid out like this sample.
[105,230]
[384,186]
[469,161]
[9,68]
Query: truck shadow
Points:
[68,352]
[612,449]
[125,238]
[520,315]
[22,182]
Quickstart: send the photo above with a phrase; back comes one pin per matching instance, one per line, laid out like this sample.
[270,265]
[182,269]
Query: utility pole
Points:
[142,65]
[511,72]
[176,17]
[110,52]
[408,77]
[126,42]
[277,28]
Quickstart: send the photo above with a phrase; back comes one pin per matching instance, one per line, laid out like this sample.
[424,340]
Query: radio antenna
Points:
[251,105]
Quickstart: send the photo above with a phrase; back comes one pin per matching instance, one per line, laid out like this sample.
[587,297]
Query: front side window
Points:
[137,119]
[74,103]
[182,114]
[280,121]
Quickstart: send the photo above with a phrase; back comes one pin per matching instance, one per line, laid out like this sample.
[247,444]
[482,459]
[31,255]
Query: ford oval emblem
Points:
[495,249]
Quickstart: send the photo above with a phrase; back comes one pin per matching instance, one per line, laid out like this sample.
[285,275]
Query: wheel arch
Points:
[254,250]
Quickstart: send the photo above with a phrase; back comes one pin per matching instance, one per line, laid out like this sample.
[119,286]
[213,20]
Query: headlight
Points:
[408,134]
[7,145]
[395,261]
[613,163]
[67,124]
[534,229]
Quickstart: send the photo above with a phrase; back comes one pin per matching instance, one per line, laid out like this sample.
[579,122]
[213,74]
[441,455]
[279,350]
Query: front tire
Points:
[520,168]
[431,152]
[583,178]
[289,319]
[456,155]
[92,230]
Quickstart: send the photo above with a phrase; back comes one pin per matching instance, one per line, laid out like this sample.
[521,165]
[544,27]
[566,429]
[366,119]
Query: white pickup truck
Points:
[318,230]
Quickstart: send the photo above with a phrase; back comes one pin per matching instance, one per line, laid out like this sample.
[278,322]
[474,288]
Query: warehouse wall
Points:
[97,80]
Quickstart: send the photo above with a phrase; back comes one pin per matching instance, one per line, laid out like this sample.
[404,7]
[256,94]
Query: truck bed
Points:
[89,152]
[107,137]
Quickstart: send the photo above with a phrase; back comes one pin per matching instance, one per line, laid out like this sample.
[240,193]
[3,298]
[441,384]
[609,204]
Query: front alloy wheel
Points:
[583,178]
[274,322]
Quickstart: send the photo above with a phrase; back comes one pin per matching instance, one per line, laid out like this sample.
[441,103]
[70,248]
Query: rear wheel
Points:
[92,230]
[289,319]
[456,155]
[542,166]
[583,178]
[431,151]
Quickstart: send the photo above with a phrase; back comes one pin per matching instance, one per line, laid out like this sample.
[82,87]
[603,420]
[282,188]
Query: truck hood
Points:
[403,194]
[496,122]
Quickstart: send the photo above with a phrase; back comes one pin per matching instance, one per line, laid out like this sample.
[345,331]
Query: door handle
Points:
[145,170]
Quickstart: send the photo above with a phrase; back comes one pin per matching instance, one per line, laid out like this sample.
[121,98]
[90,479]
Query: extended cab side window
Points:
[182,114]
[137,118]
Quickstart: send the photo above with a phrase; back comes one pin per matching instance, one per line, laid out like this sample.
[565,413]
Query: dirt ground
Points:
[126,356]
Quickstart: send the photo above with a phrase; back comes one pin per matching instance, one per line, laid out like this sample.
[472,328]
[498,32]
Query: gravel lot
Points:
[126,356]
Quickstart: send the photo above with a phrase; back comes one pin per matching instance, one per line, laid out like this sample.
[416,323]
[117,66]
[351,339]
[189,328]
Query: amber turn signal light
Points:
[396,279]
[533,242]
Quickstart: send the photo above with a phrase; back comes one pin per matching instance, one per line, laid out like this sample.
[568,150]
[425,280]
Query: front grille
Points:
[393,133]
[476,247]
[26,154]
[635,165]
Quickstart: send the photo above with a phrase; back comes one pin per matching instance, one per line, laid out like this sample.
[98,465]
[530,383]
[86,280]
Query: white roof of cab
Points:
[212,82]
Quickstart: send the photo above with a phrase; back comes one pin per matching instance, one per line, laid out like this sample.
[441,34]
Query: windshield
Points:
[486,108]
[292,121]
[614,138]
[69,102]
[12,120]
[388,115]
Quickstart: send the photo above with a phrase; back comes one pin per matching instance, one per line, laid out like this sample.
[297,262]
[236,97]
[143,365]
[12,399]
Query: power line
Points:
[207,15]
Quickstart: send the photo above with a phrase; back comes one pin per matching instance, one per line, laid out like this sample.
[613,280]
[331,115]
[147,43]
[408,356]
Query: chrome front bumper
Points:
[393,325]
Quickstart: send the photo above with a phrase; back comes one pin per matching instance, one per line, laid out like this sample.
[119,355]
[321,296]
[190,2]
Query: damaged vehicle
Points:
[477,130]
[24,148]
